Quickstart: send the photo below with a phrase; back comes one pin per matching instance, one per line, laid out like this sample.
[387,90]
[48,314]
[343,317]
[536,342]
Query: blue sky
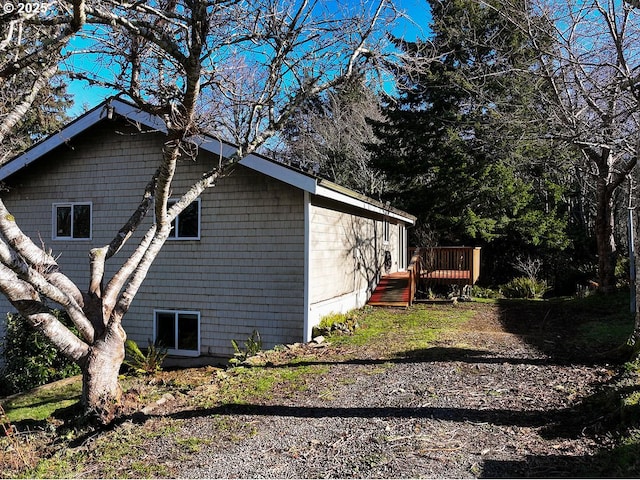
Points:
[86,97]
[418,10]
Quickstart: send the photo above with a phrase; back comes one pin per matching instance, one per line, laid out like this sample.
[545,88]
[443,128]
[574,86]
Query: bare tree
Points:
[589,61]
[177,60]
[333,134]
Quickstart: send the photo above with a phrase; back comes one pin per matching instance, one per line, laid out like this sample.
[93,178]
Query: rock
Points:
[253,361]
[148,409]
[318,339]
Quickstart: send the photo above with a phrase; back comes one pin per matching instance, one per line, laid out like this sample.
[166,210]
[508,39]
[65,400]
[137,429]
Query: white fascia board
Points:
[215,146]
[53,141]
[78,126]
[260,164]
[280,172]
[355,202]
[134,114]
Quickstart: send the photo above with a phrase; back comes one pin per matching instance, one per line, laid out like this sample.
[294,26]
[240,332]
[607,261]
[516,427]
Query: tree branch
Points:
[27,301]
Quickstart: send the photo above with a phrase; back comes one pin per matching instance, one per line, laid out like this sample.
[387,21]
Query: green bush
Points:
[146,363]
[336,323]
[30,359]
[484,292]
[524,287]
[252,347]
[622,272]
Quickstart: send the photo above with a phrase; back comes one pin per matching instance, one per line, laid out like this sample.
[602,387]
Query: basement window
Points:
[178,331]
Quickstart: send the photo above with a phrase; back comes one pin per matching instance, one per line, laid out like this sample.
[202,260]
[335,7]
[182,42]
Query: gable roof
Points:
[297,178]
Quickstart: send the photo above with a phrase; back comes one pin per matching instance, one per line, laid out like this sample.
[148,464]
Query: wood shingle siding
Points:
[246,272]
[346,256]
[277,248]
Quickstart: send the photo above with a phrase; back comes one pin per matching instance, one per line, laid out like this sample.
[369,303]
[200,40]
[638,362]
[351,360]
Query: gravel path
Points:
[482,403]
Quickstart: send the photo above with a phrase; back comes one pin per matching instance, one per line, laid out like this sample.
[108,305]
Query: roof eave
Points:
[114,106]
[92,117]
[333,191]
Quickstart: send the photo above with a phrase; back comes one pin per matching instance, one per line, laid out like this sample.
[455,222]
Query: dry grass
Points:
[19,453]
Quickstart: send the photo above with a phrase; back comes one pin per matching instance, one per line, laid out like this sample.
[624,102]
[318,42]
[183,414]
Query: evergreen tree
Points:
[456,145]
[47,115]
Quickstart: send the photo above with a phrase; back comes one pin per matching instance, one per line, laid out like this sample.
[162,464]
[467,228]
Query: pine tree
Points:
[49,113]
[456,145]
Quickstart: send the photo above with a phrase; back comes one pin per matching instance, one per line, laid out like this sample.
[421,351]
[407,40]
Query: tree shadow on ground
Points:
[425,355]
[564,329]
[472,356]
[548,466]
[519,418]
[491,466]
[572,332]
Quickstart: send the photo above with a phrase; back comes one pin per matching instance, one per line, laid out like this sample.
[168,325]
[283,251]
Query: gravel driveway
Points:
[481,403]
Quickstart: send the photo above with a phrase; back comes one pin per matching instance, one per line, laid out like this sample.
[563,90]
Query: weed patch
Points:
[394,331]
[16,454]
[144,363]
[247,383]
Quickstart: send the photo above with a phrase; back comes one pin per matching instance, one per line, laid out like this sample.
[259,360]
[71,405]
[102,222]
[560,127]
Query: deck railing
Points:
[415,272]
[449,265]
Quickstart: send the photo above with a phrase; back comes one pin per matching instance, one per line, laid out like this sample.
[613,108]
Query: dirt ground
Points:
[490,400]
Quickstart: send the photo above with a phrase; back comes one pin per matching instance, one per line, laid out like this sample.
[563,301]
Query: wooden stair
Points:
[393,290]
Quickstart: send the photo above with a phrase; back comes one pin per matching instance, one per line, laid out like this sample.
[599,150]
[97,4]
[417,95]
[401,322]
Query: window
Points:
[402,252]
[71,221]
[385,231]
[178,331]
[186,226]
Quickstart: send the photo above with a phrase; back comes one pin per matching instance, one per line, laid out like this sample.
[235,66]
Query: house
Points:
[269,248]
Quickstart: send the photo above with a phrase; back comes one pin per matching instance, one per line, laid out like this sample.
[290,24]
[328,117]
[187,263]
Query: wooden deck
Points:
[449,265]
[448,277]
[429,266]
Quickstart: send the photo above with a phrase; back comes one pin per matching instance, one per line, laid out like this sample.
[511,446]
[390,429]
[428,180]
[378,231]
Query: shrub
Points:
[484,292]
[336,323]
[524,287]
[622,272]
[146,363]
[252,347]
[30,359]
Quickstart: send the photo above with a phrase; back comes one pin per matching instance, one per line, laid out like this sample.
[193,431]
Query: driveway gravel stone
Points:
[482,402]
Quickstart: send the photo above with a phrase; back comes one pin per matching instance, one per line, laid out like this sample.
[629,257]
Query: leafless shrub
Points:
[530,267]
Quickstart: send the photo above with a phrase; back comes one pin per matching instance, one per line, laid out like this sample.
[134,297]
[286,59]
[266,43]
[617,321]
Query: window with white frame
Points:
[186,226]
[71,221]
[385,231]
[402,251]
[178,331]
